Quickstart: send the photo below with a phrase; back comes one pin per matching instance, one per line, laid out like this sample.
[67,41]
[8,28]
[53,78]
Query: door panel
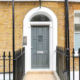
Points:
[40,46]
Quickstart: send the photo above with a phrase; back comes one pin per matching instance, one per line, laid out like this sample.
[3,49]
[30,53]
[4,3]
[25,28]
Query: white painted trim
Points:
[6,76]
[76,11]
[40,23]
[42,0]
[76,73]
[53,35]
[50,44]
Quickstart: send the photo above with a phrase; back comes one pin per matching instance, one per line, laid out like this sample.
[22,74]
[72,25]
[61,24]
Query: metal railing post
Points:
[9,66]
[68,63]
[13,38]
[4,65]
[73,65]
[79,62]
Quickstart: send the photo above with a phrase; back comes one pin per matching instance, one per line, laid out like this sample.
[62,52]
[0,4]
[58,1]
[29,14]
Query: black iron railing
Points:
[19,64]
[74,60]
[62,64]
[6,65]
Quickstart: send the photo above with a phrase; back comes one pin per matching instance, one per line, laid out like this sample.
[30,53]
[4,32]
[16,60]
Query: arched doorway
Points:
[40,28]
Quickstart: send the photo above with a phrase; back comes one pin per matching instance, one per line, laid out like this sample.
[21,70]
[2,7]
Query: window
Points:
[77,31]
[40,18]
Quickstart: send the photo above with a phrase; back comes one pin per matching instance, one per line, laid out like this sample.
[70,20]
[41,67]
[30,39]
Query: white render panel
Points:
[6,76]
[76,73]
[44,0]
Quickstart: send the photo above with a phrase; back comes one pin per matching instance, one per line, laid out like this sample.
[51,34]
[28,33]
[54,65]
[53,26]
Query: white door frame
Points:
[50,44]
[52,37]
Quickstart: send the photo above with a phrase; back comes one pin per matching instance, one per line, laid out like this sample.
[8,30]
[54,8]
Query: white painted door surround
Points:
[52,36]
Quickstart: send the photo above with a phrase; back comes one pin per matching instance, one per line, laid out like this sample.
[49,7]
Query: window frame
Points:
[75,32]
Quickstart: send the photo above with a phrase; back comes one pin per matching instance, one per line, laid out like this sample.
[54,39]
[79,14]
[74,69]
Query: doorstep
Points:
[41,76]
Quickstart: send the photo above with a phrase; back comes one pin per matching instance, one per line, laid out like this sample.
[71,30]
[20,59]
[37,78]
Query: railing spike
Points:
[79,62]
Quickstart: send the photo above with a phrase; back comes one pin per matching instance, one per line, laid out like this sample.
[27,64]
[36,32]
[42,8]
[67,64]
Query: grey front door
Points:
[40,47]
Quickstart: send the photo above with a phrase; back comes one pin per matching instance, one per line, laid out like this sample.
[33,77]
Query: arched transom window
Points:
[40,18]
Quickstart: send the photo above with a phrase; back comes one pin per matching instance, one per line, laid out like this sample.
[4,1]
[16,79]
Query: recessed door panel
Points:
[40,46]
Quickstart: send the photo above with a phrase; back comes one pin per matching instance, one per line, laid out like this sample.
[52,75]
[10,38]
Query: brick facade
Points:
[21,9]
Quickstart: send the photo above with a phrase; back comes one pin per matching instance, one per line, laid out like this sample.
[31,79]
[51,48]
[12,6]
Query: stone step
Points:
[41,76]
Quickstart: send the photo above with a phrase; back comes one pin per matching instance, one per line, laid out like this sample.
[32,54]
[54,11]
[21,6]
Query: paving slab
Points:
[40,76]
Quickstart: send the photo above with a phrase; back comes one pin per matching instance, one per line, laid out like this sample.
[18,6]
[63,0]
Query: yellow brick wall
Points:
[21,9]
